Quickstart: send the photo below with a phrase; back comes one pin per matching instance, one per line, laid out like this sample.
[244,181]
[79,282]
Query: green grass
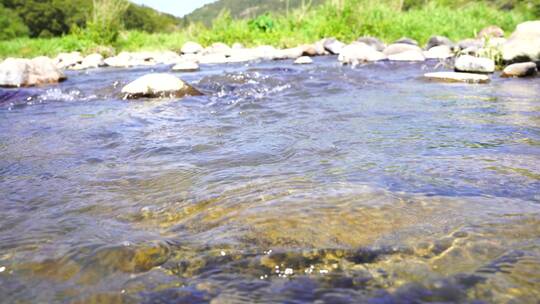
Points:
[358,18]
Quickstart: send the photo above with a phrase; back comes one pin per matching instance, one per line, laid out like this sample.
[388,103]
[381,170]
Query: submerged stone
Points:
[303,60]
[158,86]
[457,77]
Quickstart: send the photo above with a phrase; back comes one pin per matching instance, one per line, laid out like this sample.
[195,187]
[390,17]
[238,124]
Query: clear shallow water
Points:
[286,184]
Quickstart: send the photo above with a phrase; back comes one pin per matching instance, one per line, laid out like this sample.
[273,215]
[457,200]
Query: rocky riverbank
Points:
[473,59]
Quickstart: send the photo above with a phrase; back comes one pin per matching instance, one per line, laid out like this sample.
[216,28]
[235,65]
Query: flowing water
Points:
[283,184]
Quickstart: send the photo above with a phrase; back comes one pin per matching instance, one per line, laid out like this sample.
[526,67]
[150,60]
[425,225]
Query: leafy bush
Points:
[263,23]
[11,25]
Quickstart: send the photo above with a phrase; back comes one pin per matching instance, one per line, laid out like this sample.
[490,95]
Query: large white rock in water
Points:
[408,56]
[373,42]
[435,41]
[457,77]
[291,53]
[520,70]
[303,60]
[191,47]
[93,61]
[471,64]
[524,44]
[158,86]
[358,52]
[186,66]
[123,59]
[397,48]
[26,73]
[439,52]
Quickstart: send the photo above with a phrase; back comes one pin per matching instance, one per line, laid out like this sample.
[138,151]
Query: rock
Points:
[397,48]
[457,77]
[186,66]
[520,70]
[167,57]
[524,44]
[264,52]
[93,61]
[470,43]
[303,60]
[121,60]
[406,40]
[219,48]
[191,47]
[26,73]
[408,56]
[67,60]
[373,42]
[316,49]
[292,53]
[333,46]
[358,52]
[242,55]
[471,64]
[491,31]
[438,41]
[439,52]
[158,86]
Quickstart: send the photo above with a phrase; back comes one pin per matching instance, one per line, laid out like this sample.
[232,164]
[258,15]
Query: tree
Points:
[11,25]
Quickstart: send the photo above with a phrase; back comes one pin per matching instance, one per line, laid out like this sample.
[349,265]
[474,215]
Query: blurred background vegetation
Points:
[46,27]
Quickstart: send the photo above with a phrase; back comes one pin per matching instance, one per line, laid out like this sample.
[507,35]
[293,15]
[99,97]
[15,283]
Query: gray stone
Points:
[471,64]
[406,40]
[26,73]
[67,60]
[397,48]
[158,86]
[333,46]
[408,56]
[439,52]
[357,52]
[520,70]
[373,42]
[191,47]
[524,44]
[439,41]
[186,66]
[303,60]
[470,43]
[457,77]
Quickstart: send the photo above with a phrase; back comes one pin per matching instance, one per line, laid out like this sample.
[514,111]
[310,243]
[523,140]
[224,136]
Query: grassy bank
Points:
[356,18]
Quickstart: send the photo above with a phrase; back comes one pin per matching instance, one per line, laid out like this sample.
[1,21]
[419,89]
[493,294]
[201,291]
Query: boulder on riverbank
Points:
[457,77]
[471,64]
[407,56]
[406,40]
[524,44]
[439,52]
[191,47]
[29,72]
[373,42]
[357,52]
[396,48]
[435,41]
[68,60]
[524,69]
[333,46]
[158,86]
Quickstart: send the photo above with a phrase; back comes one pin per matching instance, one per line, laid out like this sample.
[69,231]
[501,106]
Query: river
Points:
[282,184]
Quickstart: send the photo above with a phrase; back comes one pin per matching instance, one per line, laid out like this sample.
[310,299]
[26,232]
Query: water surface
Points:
[289,184]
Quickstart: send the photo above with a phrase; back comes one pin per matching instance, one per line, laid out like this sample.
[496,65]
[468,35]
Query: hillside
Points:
[49,18]
[240,9]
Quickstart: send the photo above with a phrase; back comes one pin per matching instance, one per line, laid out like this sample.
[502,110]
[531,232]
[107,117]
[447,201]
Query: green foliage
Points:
[106,22]
[11,25]
[263,23]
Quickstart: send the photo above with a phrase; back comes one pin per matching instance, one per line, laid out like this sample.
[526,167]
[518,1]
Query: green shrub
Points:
[106,22]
